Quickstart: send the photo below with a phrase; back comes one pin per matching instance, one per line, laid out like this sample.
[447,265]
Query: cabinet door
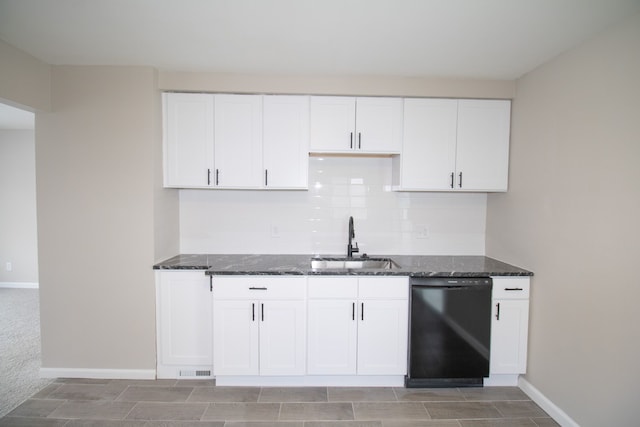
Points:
[332,337]
[429,144]
[238,141]
[282,338]
[333,123]
[235,337]
[382,337]
[184,318]
[286,141]
[378,125]
[483,145]
[187,139]
[509,329]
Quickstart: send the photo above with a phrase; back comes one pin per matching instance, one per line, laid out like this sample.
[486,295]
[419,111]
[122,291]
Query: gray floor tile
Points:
[317,411]
[361,394]
[429,394]
[155,394]
[493,393]
[343,424]
[184,424]
[293,394]
[93,409]
[196,383]
[390,411]
[105,423]
[224,394]
[545,422]
[45,392]
[264,424]
[153,383]
[81,391]
[499,422]
[31,422]
[83,381]
[242,412]
[462,410]
[519,409]
[167,411]
[36,408]
[420,423]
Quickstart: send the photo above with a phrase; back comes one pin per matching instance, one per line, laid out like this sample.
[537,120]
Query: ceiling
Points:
[493,39]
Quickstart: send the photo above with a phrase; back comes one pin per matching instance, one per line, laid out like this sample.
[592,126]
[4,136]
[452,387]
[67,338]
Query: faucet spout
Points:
[352,234]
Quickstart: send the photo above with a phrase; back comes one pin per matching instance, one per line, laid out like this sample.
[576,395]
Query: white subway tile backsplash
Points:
[315,221]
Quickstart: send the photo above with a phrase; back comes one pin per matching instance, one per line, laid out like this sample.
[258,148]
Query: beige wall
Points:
[572,215]
[95,183]
[18,241]
[336,85]
[24,80]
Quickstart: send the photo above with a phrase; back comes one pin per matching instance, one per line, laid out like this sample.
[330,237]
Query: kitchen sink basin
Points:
[353,263]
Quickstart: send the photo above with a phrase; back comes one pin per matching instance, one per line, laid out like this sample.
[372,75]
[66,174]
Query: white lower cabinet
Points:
[509,328]
[184,336]
[357,326]
[259,325]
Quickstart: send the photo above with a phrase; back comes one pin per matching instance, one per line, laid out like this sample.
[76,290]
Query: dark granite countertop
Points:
[409,265]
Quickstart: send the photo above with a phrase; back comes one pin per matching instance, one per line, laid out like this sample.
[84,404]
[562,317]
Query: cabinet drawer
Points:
[259,287]
[333,287]
[383,287]
[510,288]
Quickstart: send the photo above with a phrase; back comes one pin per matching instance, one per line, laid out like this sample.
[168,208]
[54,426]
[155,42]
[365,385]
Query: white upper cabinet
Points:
[235,141]
[188,139]
[482,161]
[355,125]
[285,141]
[238,141]
[454,145]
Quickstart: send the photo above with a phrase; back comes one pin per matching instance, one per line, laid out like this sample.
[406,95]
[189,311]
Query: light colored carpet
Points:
[19,347]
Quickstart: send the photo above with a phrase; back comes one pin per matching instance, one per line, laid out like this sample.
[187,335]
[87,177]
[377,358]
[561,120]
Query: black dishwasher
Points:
[450,332]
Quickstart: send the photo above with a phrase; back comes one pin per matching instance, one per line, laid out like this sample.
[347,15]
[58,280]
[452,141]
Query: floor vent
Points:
[192,374]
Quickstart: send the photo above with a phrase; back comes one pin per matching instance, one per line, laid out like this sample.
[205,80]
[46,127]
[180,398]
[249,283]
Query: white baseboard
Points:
[113,374]
[312,381]
[20,285]
[547,405]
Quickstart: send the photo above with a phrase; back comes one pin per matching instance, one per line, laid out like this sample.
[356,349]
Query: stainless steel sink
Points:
[353,263]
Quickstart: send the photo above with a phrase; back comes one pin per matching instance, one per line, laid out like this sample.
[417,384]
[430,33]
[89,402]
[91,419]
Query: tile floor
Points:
[185,403]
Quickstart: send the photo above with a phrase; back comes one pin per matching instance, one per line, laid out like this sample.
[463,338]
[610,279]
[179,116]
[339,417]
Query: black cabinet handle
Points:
[262,308]
[362,312]
[460,181]
[351,140]
[498,311]
[353,311]
[208,176]
[210,283]
[359,140]
[257,288]
[266,177]
[253,311]
[513,289]
[452,179]
[217,176]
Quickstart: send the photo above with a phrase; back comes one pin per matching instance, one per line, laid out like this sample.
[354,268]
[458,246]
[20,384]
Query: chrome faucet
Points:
[352,234]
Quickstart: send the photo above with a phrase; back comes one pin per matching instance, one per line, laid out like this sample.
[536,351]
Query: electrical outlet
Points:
[9,266]
[423,232]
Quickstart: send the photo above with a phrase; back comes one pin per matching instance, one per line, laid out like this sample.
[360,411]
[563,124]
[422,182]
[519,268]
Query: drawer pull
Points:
[257,288]
[498,311]
[513,289]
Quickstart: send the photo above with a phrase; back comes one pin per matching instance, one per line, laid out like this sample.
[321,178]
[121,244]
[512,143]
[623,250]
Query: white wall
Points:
[18,227]
[572,215]
[315,221]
